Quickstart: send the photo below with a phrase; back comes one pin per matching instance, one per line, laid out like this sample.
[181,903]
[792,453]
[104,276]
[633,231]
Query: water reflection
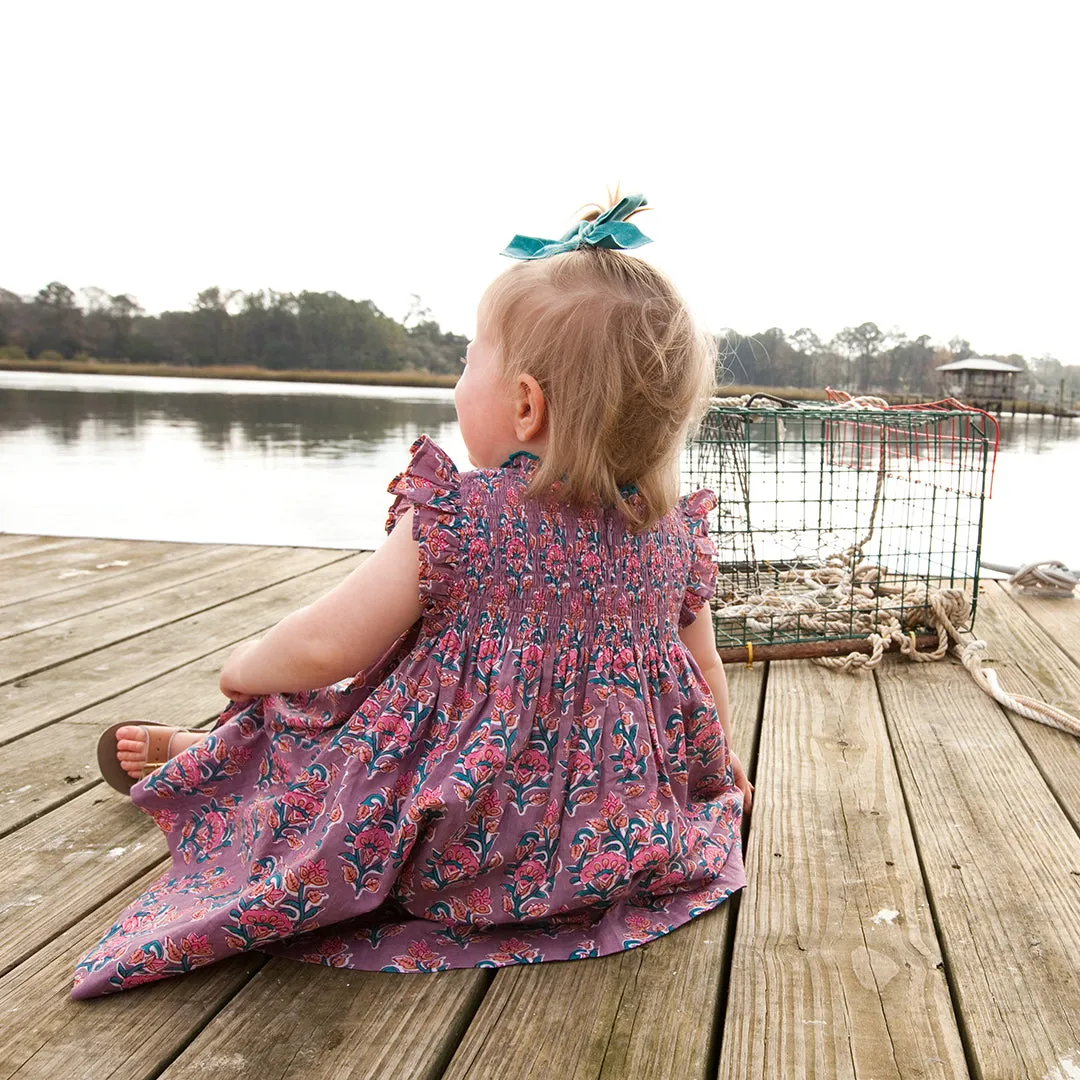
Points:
[207,460]
[1036,434]
[323,425]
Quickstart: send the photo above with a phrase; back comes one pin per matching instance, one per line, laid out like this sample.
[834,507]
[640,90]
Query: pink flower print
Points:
[639,924]
[391,728]
[478,550]
[715,858]
[165,819]
[463,700]
[457,862]
[579,763]
[136,924]
[271,895]
[552,813]
[479,901]
[512,949]
[183,771]
[262,923]
[709,738]
[611,806]
[488,804]
[331,952]
[211,831]
[532,656]
[372,846]
[148,961]
[516,553]
[623,664]
[606,871]
[313,872]
[196,945]
[429,799]
[528,766]
[485,762]
[450,643]
[590,566]
[650,858]
[487,652]
[529,876]
[504,698]
[419,957]
[299,808]
[436,542]
[554,560]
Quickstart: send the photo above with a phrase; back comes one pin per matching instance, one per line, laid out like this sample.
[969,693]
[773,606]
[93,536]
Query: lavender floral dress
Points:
[536,772]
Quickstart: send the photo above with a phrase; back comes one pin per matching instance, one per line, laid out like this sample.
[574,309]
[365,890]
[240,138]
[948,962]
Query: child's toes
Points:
[131,745]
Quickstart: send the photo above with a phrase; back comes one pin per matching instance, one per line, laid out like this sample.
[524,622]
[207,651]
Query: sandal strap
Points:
[159,744]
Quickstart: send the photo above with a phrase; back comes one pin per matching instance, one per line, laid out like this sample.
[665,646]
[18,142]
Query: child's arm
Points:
[341,633]
[698,638]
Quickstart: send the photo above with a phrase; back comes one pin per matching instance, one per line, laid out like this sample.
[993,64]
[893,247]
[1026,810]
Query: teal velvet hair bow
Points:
[609,230]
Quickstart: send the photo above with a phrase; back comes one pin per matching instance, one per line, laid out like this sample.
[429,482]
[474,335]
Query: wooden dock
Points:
[914,864]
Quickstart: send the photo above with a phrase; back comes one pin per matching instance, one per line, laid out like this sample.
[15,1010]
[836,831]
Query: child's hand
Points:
[742,783]
[231,684]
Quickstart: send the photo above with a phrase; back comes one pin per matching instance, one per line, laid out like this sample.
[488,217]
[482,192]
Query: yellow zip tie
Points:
[749,654]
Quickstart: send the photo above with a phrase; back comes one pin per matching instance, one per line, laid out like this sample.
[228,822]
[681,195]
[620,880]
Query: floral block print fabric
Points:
[536,772]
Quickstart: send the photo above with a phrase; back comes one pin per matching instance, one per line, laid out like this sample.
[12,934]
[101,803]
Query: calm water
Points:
[281,463]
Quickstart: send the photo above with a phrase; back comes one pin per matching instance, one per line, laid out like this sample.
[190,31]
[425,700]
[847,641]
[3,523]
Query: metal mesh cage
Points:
[836,520]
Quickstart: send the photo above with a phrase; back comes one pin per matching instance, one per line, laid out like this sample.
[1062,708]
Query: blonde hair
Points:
[624,370]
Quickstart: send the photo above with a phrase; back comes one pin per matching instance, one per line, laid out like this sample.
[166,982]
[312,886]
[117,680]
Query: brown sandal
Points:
[159,739]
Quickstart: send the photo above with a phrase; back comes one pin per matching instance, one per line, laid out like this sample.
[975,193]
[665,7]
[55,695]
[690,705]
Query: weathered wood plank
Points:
[819,988]
[16,546]
[106,588]
[59,568]
[1059,618]
[39,700]
[49,767]
[1035,663]
[1002,867]
[66,863]
[14,542]
[610,1018]
[335,1024]
[68,639]
[128,1036]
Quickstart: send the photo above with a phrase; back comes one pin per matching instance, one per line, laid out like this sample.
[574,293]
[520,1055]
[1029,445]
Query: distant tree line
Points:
[267,329]
[329,332]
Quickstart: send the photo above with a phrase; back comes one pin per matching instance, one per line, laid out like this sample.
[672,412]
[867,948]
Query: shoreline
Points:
[405,379]
[411,379]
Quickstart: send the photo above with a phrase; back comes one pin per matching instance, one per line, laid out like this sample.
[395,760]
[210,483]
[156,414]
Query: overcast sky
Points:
[811,164]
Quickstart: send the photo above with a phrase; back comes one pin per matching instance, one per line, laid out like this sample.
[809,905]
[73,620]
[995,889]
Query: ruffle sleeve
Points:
[430,486]
[701,587]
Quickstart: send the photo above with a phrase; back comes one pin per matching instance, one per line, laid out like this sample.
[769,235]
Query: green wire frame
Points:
[900,490]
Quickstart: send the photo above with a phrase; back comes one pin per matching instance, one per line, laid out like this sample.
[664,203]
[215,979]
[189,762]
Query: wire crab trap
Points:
[841,521]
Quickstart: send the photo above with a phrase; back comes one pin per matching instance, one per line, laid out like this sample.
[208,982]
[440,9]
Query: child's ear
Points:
[530,411]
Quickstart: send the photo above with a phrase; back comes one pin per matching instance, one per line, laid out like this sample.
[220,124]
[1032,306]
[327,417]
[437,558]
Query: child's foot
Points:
[132,745]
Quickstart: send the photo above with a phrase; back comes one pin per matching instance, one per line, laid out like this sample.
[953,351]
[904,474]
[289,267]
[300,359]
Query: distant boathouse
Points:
[980,379]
